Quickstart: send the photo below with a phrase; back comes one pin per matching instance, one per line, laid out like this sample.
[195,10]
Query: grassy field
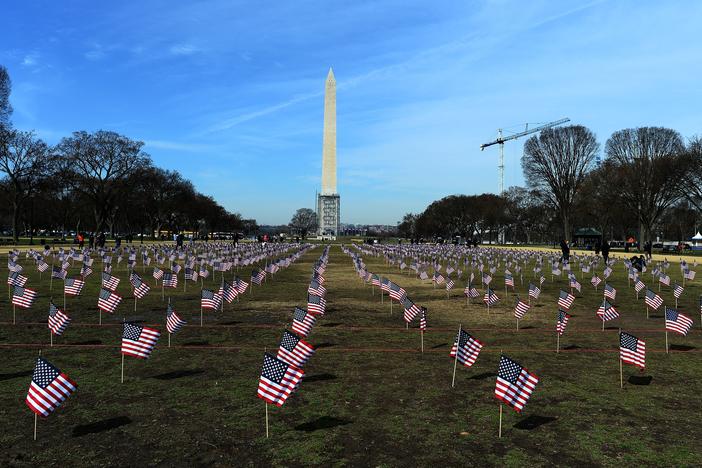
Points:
[369,397]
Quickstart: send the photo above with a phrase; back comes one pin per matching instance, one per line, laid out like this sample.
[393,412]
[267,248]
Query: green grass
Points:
[369,396]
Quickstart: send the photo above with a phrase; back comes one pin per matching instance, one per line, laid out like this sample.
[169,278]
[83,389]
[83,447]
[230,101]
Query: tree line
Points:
[648,184]
[96,182]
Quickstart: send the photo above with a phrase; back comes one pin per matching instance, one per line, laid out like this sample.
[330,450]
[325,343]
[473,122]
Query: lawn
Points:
[369,396]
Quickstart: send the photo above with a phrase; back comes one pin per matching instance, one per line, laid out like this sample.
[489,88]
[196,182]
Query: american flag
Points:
[653,300]
[12,266]
[665,279]
[639,285]
[48,389]
[487,279]
[294,350]
[190,274]
[471,291]
[278,380]
[450,284]
[240,285]
[607,312]
[42,266]
[110,282]
[138,341]
[170,280]
[73,286]
[58,321]
[58,272]
[257,276]
[561,321]
[565,300]
[396,292]
[411,309]
[490,297]
[173,322]
[521,308]
[375,280]
[632,350]
[677,290]
[438,278]
[534,291]
[157,274]
[141,289]
[574,283]
[385,284]
[316,288]
[108,301]
[595,281]
[610,292]
[423,275]
[677,322]
[204,272]
[107,269]
[514,384]
[176,268]
[15,279]
[423,319]
[316,304]
[509,280]
[86,271]
[607,271]
[468,348]
[210,300]
[690,275]
[302,321]
[228,292]
[23,297]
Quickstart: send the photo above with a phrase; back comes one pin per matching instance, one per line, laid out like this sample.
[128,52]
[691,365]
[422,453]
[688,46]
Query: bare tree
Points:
[101,162]
[555,163]
[691,187]
[303,221]
[24,160]
[650,165]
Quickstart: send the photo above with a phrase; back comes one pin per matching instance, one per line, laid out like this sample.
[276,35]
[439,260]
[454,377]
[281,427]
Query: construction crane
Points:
[501,141]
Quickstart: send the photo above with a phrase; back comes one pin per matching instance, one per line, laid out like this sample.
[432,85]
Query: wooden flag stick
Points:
[666,341]
[558,342]
[455,361]
[99,317]
[266,404]
[64,302]
[14,319]
[422,335]
[51,339]
[646,311]
[200,315]
[169,339]
[122,381]
[499,432]
[621,371]
[517,324]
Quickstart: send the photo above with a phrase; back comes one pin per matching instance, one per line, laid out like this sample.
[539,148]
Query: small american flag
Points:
[73,286]
[23,297]
[42,266]
[468,348]
[607,312]
[302,322]
[86,271]
[607,271]
[257,276]
[561,321]
[58,321]
[158,273]
[240,285]
[15,279]
[49,388]
[632,350]
[423,319]
[471,291]
[210,300]
[410,309]
[278,380]
[170,280]
[653,300]
[534,291]
[58,272]
[677,290]
[490,297]
[521,308]
[316,288]
[610,292]
[141,289]
[423,275]
[316,304]
[450,284]
[138,341]
[565,300]
[109,282]
[639,285]
[487,279]
[677,322]
[509,280]
[574,283]
[514,384]
[690,275]
[595,281]
[173,322]
[108,301]
[294,350]
[665,279]
[396,292]
[228,292]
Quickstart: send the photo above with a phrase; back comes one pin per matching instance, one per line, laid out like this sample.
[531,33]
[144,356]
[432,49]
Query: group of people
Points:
[637,261]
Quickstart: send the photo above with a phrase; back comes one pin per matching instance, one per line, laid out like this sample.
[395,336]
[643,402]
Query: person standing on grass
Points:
[605,251]
[648,247]
[565,250]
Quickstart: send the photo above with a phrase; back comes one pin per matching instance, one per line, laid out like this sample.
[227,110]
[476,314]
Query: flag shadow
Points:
[324,345]
[14,375]
[87,343]
[178,374]
[320,377]
[325,422]
[675,347]
[640,379]
[482,376]
[101,426]
[532,422]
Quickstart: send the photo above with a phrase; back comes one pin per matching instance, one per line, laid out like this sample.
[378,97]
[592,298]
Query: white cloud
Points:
[31,60]
[184,49]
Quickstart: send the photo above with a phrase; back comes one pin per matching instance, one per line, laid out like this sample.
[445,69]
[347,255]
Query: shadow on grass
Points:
[527,327]
[320,377]
[439,346]
[533,421]
[640,379]
[179,374]
[482,376]
[332,324]
[101,426]
[325,422]
[677,347]
[233,322]
[573,346]
[197,343]
[324,345]
[87,343]
[14,375]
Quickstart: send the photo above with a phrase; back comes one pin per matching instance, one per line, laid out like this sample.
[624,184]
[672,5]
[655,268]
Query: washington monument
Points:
[328,201]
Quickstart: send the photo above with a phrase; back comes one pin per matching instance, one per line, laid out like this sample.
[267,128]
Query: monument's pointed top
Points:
[330,75]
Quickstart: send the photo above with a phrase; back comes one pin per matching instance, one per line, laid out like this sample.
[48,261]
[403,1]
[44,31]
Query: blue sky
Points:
[231,93]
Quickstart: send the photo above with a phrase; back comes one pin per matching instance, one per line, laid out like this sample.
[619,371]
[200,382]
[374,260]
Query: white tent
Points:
[697,237]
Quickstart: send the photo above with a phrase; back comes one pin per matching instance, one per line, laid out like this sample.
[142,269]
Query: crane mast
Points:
[501,141]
